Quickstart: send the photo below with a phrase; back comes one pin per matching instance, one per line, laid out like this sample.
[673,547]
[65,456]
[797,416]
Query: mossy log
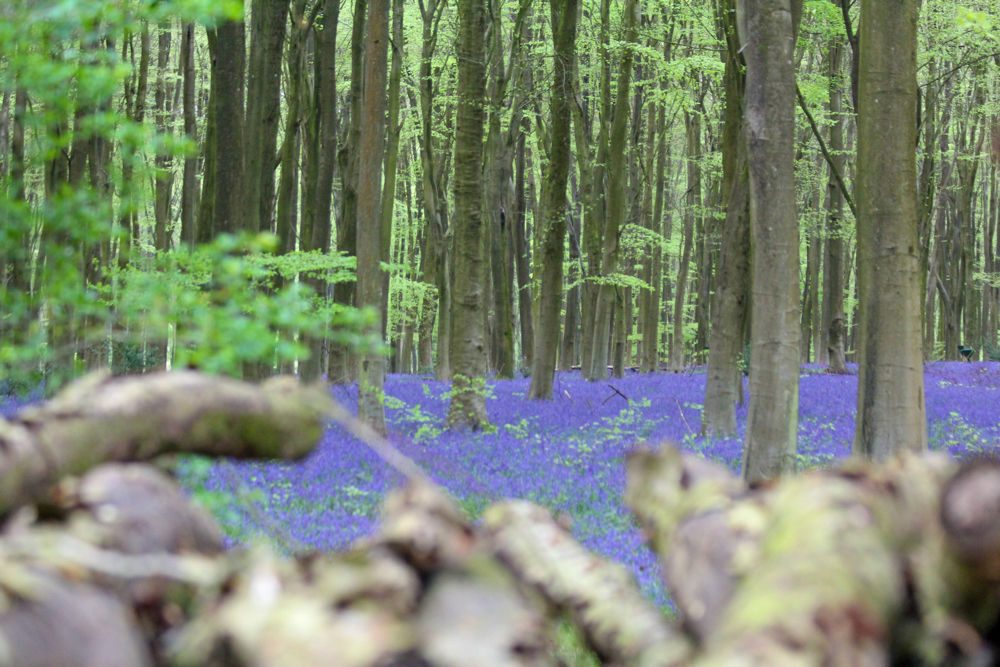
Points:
[135,418]
[599,596]
[848,566]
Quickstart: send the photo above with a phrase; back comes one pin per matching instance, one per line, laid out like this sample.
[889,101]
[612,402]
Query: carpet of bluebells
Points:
[567,453]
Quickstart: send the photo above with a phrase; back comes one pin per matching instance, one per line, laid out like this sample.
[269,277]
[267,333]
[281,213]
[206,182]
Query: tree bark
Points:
[891,412]
[616,201]
[135,418]
[267,35]
[371,410]
[189,183]
[553,218]
[468,336]
[723,383]
[772,423]
[692,205]
[833,264]
[228,65]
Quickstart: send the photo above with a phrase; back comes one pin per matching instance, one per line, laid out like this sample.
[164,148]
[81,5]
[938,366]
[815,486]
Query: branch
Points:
[826,153]
[136,418]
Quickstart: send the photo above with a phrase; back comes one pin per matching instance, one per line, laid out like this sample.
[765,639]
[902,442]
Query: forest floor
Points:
[567,453]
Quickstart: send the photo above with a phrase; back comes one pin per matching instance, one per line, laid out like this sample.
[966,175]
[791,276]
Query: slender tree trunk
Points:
[553,218]
[723,383]
[692,204]
[616,202]
[342,366]
[891,413]
[468,336]
[189,185]
[391,153]
[772,423]
[267,35]
[522,259]
[370,158]
[833,265]
[164,174]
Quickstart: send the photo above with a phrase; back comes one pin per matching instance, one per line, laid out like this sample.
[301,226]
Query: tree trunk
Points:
[371,410]
[616,201]
[553,217]
[267,35]
[228,59]
[342,367]
[833,265]
[772,423]
[164,174]
[691,208]
[189,185]
[391,153]
[891,413]
[724,383]
[522,259]
[468,339]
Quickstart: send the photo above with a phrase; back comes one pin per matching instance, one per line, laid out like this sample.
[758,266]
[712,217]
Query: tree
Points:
[723,380]
[891,412]
[228,83]
[772,423]
[268,20]
[468,335]
[596,367]
[553,219]
[372,151]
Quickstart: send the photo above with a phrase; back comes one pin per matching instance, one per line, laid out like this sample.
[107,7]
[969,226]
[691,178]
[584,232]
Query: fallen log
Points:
[136,418]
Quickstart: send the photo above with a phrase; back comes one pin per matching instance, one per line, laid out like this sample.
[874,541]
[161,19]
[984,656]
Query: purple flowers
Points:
[566,454]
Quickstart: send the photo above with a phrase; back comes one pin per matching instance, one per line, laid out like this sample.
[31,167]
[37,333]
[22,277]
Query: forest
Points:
[518,309]
[490,189]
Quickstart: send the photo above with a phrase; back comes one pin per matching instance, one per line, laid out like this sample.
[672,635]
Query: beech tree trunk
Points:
[468,335]
[723,382]
[833,264]
[891,412]
[228,70]
[267,35]
[372,152]
[553,217]
[616,205]
[772,423]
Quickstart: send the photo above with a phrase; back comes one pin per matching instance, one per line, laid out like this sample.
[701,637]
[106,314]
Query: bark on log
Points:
[135,418]
[600,597]
[842,566]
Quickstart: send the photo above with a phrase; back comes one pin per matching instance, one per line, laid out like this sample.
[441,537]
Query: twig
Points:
[615,389]
[826,154]
[382,447]
[681,410]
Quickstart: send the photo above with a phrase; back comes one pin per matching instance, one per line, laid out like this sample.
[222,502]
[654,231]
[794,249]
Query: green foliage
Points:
[228,303]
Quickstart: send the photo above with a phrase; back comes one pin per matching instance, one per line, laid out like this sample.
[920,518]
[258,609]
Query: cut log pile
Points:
[105,561]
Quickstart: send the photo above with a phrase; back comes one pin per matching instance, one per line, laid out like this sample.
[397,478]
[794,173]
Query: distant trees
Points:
[611,201]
